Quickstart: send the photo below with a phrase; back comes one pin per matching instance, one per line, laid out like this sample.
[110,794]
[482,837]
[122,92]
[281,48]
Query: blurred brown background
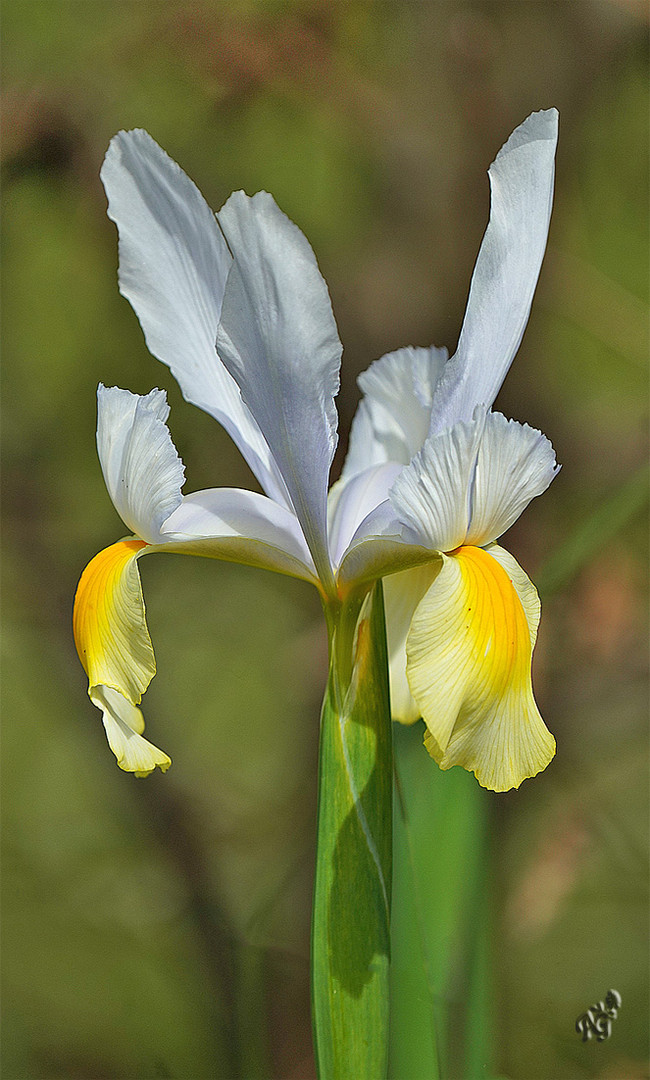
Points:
[149,925]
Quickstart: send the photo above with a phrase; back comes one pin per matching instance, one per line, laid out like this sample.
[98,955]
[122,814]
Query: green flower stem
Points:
[352,891]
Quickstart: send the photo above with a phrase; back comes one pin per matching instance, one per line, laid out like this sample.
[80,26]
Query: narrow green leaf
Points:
[440,992]
[351,916]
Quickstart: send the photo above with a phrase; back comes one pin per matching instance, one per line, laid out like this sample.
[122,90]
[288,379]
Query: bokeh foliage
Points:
[159,928]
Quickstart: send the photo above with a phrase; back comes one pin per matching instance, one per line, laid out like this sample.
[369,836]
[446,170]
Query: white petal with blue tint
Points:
[515,463]
[506,271]
[278,338]
[174,263]
[394,415]
[239,526]
[141,466]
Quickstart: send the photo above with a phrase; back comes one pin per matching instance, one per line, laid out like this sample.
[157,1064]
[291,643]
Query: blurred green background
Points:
[159,927]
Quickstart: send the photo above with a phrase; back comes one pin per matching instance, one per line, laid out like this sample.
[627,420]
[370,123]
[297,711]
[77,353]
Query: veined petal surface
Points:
[143,472]
[515,463]
[113,643]
[278,338]
[394,415]
[174,263]
[506,271]
[469,669]
[433,494]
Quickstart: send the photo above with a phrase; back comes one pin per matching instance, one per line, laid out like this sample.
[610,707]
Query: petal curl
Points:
[174,263]
[514,464]
[143,472]
[394,415]
[278,338]
[113,643]
[506,271]
[469,669]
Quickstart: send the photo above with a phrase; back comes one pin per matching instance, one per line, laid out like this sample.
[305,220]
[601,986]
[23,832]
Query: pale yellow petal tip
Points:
[496,774]
[405,712]
[124,725]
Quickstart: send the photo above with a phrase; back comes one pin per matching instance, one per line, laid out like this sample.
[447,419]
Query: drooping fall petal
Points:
[113,643]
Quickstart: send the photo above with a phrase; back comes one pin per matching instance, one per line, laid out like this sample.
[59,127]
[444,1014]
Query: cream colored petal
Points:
[469,654]
[124,723]
[402,594]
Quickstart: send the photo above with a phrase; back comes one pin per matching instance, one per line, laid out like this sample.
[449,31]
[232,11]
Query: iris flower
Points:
[235,305]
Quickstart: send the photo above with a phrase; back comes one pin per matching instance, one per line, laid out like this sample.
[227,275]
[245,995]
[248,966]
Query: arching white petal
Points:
[174,263]
[113,643]
[394,415]
[141,466]
[278,338]
[469,669]
[402,594]
[506,271]
[239,526]
[350,501]
[433,494]
[515,463]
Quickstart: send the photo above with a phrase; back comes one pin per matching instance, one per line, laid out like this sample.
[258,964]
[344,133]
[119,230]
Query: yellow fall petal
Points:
[113,643]
[469,654]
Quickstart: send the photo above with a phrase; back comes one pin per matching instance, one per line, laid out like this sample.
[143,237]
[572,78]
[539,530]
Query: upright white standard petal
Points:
[506,271]
[143,472]
[278,338]
[174,263]
[394,415]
